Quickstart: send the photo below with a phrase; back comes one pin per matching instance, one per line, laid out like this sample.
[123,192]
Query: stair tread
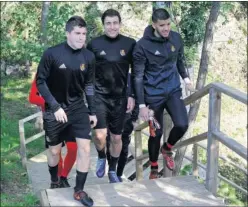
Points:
[176,191]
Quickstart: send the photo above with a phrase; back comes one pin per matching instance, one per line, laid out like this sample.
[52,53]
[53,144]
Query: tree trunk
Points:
[202,74]
[44,16]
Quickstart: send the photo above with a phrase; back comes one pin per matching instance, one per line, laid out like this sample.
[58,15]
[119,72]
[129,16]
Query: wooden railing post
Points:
[195,160]
[213,144]
[138,152]
[22,144]
[167,127]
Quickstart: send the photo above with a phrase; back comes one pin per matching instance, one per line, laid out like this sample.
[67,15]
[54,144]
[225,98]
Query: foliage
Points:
[92,17]
[230,194]
[187,170]
[19,32]
[58,15]
[15,189]
[234,174]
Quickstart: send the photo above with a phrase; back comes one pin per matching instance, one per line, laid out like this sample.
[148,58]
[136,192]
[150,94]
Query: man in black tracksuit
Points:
[65,72]
[113,53]
[158,58]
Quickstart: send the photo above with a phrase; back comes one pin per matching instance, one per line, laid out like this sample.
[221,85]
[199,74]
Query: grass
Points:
[15,188]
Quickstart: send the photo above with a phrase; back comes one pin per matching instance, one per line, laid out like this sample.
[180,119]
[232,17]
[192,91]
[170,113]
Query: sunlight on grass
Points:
[16,96]
[27,200]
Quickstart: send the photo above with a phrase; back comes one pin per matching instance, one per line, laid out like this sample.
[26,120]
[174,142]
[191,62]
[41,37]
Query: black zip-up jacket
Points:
[157,62]
[64,75]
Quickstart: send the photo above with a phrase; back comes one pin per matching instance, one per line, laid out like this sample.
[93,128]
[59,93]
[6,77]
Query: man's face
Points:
[77,37]
[112,26]
[163,27]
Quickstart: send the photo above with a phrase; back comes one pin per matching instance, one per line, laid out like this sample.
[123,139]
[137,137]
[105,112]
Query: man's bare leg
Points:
[100,143]
[53,156]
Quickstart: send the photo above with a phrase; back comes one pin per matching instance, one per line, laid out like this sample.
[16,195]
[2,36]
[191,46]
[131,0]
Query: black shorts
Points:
[64,136]
[110,113]
[78,125]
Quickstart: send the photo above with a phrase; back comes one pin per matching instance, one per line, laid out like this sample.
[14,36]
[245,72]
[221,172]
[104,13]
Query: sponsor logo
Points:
[103,53]
[157,52]
[122,52]
[173,49]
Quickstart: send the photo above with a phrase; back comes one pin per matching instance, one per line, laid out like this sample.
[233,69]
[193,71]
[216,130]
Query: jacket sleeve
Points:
[34,96]
[180,63]
[139,61]
[41,78]
[90,85]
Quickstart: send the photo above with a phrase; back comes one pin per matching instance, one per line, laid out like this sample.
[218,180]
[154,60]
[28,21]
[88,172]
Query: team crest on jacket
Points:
[173,48]
[82,67]
[122,52]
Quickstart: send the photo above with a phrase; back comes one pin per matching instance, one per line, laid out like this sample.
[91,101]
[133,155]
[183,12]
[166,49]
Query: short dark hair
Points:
[160,14]
[110,13]
[74,22]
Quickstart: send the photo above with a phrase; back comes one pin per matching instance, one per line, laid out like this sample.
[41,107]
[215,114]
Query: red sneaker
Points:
[153,174]
[168,156]
[83,197]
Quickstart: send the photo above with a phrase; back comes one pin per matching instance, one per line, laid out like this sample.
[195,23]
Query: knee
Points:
[84,149]
[116,139]
[101,137]
[182,128]
[54,152]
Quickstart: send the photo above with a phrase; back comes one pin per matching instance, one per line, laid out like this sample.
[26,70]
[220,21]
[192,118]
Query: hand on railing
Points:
[189,85]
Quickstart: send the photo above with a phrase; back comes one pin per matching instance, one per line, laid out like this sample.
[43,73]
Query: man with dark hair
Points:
[113,53]
[158,58]
[65,72]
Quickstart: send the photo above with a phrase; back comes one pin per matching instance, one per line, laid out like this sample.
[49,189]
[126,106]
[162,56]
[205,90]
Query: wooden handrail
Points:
[230,91]
[214,135]
[231,144]
[221,87]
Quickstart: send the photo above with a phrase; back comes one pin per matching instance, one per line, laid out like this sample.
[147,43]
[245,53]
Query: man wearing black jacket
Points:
[158,58]
[113,53]
[65,72]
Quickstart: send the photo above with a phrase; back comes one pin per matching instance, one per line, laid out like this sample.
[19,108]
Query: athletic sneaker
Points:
[83,198]
[54,185]
[153,174]
[120,179]
[100,167]
[113,178]
[64,183]
[168,156]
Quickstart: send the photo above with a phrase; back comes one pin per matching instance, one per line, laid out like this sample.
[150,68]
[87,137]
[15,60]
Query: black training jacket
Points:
[157,64]
[64,75]
[113,60]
